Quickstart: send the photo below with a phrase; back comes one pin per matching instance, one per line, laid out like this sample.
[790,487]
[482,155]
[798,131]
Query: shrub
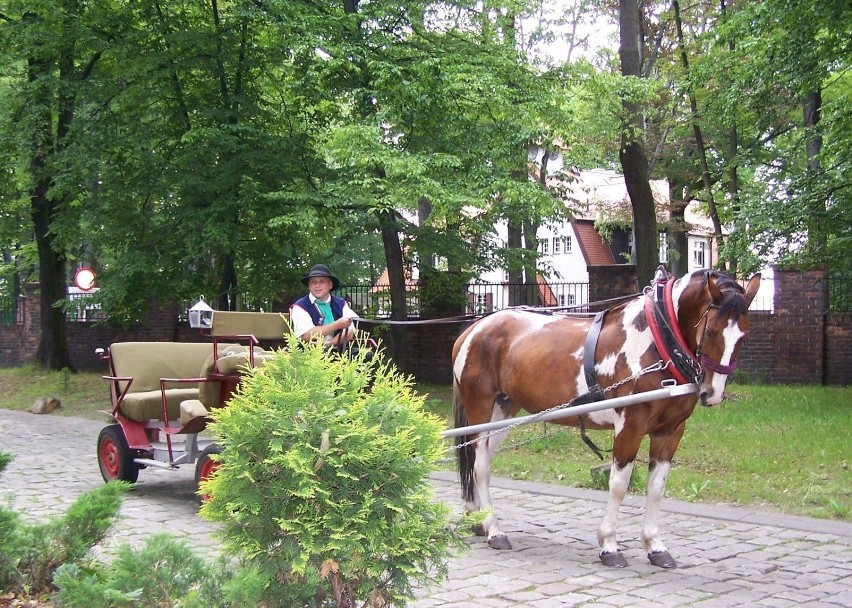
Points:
[29,554]
[323,488]
[164,572]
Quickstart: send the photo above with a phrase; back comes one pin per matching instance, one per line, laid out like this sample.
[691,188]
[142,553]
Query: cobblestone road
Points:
[727,556]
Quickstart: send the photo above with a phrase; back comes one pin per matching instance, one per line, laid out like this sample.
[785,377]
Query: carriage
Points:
[161,393]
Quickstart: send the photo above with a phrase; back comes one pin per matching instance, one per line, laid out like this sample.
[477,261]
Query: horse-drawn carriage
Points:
[161,393]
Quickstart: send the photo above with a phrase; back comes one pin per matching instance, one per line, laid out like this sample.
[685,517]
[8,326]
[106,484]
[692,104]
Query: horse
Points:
[679,331]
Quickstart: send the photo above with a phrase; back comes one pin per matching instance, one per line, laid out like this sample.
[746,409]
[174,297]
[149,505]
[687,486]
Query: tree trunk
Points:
[52,352]
[699,136]
[514,269]
[678,241]
[634,163]
[396,278]
[227,298]
[811,116]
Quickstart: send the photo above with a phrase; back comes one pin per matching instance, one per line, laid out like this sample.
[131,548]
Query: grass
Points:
[778,448]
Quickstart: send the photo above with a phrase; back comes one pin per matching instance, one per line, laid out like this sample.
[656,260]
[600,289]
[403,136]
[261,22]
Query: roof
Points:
[382,284]
[595,251]
[545,293]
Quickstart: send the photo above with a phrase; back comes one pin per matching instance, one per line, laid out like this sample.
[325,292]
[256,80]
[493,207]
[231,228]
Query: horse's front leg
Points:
[485,450]
[660,455]
[625,447]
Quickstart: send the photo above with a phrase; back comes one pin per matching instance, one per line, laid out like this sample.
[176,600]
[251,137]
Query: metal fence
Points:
[83,307]
[8,310]
[839,294]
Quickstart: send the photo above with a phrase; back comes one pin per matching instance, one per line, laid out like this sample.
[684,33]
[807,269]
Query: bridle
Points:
[686,366]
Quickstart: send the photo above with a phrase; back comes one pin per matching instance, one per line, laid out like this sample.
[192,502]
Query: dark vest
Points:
[337,305]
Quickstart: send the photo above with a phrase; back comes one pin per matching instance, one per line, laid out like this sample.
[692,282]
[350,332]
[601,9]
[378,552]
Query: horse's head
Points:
[712,312]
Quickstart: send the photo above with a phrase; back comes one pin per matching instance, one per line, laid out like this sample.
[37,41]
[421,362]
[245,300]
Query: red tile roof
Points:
[595,251]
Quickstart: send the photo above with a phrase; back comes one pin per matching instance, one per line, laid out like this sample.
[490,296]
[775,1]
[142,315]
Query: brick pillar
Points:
[607,282]
[800,303]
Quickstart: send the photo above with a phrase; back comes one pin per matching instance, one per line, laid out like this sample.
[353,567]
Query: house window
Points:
[544,246]
[664,247]
[698,254]
[568,299]
[556,243]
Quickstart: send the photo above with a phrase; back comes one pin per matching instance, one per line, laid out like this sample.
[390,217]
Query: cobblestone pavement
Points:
[727,556]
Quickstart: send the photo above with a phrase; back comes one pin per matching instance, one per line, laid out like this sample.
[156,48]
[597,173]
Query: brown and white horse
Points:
[684,330]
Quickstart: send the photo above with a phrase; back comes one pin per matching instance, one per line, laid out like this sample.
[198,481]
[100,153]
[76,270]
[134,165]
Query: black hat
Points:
[321,270]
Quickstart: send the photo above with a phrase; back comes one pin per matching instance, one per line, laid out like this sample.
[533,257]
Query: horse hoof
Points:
[499,542]
[662,559]
[614,560]
[478,530]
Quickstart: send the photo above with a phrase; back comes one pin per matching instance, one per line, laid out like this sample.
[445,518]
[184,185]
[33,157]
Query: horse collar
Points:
[669,340]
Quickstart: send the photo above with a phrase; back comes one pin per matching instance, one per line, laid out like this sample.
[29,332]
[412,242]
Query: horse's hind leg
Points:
[475,465]
[661,451]
[485,451]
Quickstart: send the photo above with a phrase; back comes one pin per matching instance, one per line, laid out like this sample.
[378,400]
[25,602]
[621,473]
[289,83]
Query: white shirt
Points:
[302,322]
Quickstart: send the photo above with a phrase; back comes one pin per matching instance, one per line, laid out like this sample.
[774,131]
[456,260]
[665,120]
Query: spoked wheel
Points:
[115,458]
[206,466]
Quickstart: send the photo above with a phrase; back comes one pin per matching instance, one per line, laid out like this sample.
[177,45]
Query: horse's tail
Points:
[466,454]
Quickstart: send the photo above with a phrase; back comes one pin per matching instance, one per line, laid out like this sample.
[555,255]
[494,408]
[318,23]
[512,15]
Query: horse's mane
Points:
[733,300]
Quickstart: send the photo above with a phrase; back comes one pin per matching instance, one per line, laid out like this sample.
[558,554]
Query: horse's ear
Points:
[716,294]
[751,288]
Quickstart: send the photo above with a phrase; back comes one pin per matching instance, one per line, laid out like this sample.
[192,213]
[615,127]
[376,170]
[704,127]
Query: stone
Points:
[45,405]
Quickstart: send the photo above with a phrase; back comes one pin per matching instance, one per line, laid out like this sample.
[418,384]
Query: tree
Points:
[634,162]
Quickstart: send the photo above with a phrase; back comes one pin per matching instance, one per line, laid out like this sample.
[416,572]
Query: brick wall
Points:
[607,282]
[838,348]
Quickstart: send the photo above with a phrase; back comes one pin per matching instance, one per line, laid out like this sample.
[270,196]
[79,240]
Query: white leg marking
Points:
[485,451]
[650,534]
[608,529]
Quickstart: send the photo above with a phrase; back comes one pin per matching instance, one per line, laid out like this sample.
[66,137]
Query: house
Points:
[599,233]
[596,199]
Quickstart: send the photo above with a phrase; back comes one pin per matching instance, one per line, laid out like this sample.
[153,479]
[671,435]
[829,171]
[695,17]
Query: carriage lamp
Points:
[200,315]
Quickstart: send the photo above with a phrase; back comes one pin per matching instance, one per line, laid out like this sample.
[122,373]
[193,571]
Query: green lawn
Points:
[781,448]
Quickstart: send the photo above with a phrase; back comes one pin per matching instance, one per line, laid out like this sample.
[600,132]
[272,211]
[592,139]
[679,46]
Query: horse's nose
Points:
[703,396]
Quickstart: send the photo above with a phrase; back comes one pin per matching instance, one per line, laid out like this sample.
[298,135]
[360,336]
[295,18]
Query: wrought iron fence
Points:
[83,307]
[839,294]
[373,301]
[8,310]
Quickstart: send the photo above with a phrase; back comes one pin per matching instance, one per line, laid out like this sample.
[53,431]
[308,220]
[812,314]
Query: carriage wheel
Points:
[115,458]
[206,466]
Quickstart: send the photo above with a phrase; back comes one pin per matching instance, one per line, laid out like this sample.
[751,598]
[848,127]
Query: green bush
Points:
[164,572]
[323,490]
[30,554]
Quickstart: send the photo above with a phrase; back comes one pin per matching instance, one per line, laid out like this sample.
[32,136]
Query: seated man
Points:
[321,315]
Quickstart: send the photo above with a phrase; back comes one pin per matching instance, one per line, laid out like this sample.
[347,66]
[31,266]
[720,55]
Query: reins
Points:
[545,310]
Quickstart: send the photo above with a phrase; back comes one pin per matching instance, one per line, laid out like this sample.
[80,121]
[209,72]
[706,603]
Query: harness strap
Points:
[589,356]
[595,392]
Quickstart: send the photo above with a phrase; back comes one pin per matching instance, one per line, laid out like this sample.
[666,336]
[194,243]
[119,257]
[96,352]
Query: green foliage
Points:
[322,487]
[164,572]
[30,554]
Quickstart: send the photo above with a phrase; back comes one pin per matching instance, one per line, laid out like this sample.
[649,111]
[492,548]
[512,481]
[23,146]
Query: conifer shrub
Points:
[323,489]
[31,553]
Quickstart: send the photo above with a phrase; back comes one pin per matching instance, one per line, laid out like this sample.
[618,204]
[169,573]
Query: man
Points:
[319,314]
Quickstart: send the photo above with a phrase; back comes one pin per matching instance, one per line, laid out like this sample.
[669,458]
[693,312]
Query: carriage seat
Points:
[259,325]
[143,364]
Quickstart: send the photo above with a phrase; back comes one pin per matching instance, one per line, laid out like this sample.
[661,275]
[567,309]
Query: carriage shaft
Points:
[576,410]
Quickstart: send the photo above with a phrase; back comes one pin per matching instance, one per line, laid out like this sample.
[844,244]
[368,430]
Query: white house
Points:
[567,248]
